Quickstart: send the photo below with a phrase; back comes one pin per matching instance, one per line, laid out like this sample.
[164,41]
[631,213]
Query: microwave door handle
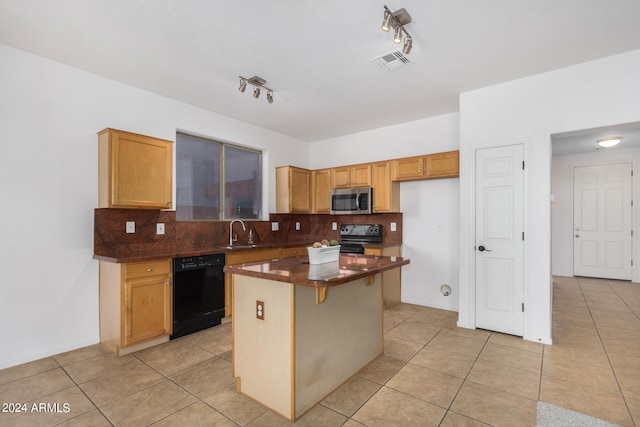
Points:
[358,202]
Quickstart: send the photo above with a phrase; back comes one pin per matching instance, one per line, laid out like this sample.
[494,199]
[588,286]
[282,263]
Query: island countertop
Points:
[297,270]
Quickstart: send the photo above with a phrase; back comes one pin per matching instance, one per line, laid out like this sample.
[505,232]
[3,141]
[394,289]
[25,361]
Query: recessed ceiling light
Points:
[610,141]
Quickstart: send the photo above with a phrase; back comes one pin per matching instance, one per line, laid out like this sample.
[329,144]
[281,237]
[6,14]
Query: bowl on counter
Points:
[323,255]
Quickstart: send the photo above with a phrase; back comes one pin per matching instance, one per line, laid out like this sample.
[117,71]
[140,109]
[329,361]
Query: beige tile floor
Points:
[432,374]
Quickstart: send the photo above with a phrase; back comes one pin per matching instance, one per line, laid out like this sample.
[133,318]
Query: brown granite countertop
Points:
[213,249]
[297,270]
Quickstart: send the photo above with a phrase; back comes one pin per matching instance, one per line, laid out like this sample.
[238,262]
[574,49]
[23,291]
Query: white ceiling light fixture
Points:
[258,83]
[609,141]
[397,20]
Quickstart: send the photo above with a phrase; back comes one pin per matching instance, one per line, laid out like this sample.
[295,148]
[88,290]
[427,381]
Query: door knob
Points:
[577,235]
[482,249]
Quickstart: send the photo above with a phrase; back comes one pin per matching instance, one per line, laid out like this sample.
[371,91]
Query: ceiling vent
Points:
[391,61]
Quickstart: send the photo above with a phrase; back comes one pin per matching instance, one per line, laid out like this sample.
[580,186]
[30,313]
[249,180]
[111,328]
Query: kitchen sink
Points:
[239,246]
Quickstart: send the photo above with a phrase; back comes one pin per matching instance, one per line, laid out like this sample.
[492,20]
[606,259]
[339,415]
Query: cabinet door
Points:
[386,194]
[300,190]
[361,175]
[443,165]
[295,251]
[146,309]
[408,168]
[342,177]
[293,190]
[322,191]
[139,170]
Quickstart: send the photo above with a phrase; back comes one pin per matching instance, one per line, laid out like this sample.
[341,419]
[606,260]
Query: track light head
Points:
[397,36]
[256,92]
[385,21]
[270,96]
[243,85]
[408,45]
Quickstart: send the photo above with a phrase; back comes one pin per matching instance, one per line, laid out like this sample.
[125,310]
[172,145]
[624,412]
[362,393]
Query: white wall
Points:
[562,207]
[529,111]
[430,208]
[49,116]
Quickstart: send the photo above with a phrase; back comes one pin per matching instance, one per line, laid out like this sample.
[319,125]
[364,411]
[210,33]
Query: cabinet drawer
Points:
[137,270]
[297,251]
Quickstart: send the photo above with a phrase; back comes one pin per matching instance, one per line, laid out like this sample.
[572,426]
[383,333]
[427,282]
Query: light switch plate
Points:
[393,226]
[160,228]
[131,227]
[274,226]
[297,226]
[334,225]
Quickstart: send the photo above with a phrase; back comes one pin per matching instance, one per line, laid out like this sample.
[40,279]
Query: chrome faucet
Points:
[231,230]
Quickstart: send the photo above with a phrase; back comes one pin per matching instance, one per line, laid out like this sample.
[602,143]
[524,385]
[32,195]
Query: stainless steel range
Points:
[353,237]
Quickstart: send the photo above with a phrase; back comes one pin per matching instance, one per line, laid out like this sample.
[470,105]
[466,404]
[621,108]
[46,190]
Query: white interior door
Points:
[499,239]
[602,221]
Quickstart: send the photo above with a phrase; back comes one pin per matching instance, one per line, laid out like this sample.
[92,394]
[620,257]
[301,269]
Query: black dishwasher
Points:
[198,293]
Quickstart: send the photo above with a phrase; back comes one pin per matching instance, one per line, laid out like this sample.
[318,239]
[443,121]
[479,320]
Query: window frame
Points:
[222,181]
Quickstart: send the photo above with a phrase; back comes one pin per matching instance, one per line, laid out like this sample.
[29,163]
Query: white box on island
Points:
[323,255]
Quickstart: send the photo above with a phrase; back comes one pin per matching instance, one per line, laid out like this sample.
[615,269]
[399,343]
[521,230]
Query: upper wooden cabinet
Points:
[386,193]
[352,176]
[443,165]
[321,190]
[440,165]
[293,190]
[134,171]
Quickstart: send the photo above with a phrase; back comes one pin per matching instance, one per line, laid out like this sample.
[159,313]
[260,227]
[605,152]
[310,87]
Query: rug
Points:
[554,416]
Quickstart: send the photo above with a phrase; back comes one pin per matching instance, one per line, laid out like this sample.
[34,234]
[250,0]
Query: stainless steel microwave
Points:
[352,201]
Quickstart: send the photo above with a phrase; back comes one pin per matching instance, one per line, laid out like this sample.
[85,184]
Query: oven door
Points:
[351,248]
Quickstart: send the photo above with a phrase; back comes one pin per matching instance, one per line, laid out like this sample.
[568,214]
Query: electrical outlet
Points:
[297,226]
[393,226]
[334,225]
[131,227]
[274,226]
[160,228]
[259,310]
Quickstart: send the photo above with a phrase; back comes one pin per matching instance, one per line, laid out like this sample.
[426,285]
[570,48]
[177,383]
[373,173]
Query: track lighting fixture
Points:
[258,84]
[398,20]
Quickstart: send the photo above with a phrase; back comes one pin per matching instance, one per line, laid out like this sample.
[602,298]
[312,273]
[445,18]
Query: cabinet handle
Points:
[167,283]
[169,203]
[149,269]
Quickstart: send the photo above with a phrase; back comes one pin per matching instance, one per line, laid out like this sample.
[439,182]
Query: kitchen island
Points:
[301,330]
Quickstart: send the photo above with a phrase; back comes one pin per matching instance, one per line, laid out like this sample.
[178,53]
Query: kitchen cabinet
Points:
[135,304]
[352,176]
[386,193]
[293,190]
[321,190]
[342,177]
[391,279]
[294,251]
[134,171]
[438,165]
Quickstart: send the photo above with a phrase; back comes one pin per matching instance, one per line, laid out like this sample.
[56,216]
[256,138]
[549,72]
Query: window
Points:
[215,180]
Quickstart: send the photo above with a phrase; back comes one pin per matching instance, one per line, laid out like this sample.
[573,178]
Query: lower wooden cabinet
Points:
[135,304]
[392,279]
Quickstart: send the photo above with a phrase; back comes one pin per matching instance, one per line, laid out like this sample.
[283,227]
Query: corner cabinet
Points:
[135,304]
[134,171]
[293,190]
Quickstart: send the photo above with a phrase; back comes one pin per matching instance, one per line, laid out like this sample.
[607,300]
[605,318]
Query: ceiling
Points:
[585,141]
[316,54]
